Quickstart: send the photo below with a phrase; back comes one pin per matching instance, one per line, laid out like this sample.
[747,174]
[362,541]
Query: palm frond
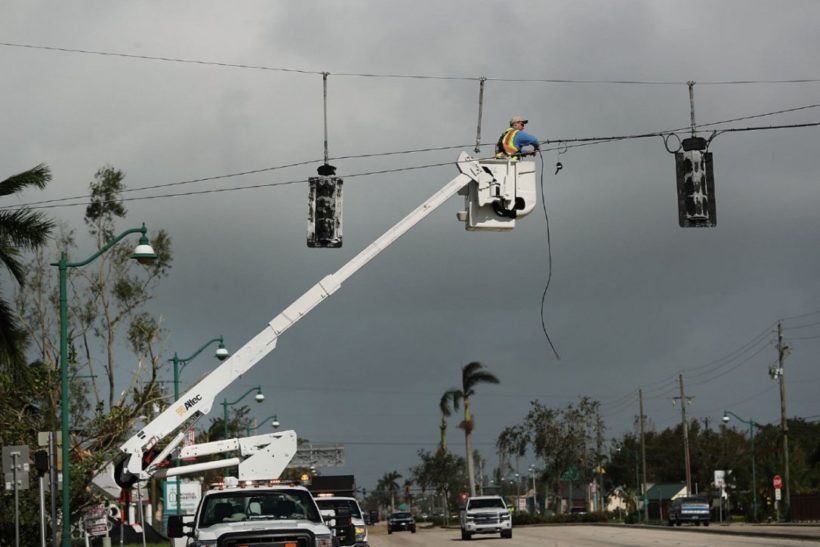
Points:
[38,177]
[447,402]
[24,228]
[12,342]
[9,257]
[472,375]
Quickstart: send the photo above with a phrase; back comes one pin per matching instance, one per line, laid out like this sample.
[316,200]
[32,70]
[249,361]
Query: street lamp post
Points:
[274,424]
[637,477]
[517,490]
[751,425]
[144,254]
[534,493]
[226,404]
[179,365]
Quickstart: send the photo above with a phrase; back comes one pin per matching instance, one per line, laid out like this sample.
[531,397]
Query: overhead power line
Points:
[561,144]
[711,370]
[397,75]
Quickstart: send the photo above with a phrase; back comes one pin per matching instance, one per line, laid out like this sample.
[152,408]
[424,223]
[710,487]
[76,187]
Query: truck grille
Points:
[266,539]
[486,519]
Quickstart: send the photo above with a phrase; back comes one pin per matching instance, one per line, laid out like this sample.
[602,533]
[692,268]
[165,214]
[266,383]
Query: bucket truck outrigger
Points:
[496,191]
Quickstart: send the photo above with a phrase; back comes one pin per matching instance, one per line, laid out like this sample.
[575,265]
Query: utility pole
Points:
[683,402]
[599,441]
[782,352]
[643,461]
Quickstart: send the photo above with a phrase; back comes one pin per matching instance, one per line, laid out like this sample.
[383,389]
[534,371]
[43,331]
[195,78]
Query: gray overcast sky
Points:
[634,300]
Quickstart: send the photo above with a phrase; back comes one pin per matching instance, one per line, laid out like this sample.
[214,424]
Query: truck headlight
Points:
[360,532]
[505,516]
[324,541]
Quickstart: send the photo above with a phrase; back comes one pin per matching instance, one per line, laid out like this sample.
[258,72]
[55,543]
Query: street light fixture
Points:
[534,493]
[144,254]
[225,404]
[274,424]
[751,425]
[179,366]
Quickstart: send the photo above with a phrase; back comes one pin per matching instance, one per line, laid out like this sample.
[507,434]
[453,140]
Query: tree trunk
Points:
[443,443]
[468,441]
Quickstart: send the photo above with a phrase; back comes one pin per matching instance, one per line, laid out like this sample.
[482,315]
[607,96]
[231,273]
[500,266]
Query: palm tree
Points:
[472,374]
[389,483]
[445,405]
[20,229]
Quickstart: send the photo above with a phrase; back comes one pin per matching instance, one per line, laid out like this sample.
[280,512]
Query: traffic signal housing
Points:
[696,184]
[325,212]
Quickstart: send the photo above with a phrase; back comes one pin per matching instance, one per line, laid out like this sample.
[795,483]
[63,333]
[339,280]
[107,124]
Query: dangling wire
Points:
[549,261]
[480,109]
[558,165]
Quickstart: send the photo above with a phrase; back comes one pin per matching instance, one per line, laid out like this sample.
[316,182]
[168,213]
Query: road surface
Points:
[581,536]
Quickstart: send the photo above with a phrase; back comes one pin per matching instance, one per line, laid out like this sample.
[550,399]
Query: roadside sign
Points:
[778,482]
[190,495]
[777,495]
[16,467]
[570,474]
[95,521]
[720,478]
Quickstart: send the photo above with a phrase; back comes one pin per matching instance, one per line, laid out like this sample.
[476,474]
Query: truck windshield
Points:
[485,504]
[350,505]
[234,506]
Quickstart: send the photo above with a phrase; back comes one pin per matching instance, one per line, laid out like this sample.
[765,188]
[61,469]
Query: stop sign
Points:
[778,482]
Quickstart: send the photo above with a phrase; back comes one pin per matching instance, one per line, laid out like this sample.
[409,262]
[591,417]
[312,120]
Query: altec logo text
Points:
[188,404]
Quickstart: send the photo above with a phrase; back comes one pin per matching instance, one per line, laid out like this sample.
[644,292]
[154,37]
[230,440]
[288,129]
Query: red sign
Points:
[778,482]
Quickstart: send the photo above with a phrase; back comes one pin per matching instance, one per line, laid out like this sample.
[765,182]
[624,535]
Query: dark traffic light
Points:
[325,212]
[696,184]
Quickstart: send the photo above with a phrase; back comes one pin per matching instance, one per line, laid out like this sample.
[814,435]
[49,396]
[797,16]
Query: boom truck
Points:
[496,192]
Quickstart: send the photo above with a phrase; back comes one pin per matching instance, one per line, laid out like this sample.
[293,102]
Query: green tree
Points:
[445,406]
[21,229]
[564,438]
[107,313]
[472,375]
[389,484]
[443,472]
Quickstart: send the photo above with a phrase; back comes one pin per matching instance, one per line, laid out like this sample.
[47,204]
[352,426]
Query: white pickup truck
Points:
[486,515]
[255,515]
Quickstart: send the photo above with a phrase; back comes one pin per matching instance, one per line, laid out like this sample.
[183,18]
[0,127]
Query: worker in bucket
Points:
[515,143]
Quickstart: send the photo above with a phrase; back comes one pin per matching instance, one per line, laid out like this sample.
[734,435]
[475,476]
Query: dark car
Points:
[401,521]
[689,509]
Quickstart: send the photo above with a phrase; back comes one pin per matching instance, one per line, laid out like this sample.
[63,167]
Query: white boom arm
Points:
[261,457]
[199,399]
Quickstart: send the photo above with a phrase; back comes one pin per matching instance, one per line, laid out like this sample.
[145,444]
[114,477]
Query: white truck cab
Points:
[255,514]
[336,510]
[486,515]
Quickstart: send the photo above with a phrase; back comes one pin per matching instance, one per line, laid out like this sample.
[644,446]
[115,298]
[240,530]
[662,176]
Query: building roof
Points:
[666,491]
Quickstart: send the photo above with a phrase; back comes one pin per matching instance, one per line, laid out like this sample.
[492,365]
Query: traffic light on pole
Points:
[325,209]
[696,184]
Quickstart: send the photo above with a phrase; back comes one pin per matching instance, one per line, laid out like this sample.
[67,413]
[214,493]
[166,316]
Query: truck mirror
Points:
[175,526]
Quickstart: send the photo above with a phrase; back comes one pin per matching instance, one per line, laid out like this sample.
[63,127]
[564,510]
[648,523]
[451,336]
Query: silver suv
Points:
[486,515]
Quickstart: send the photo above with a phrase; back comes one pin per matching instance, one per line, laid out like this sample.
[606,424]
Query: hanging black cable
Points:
[549,263]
